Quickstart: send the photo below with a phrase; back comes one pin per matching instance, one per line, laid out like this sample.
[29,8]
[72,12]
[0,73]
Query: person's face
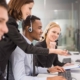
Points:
[26,10]
[37,30]
[3,20]
[53,34]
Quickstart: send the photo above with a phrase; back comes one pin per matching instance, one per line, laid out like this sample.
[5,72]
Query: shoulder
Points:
[12,21]
[40,44]
[19,52]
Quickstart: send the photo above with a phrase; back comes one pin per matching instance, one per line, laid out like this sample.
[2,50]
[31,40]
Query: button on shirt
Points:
[22,65]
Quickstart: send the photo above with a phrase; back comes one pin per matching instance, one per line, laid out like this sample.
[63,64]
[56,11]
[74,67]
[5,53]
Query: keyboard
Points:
[67,60]
[66,74]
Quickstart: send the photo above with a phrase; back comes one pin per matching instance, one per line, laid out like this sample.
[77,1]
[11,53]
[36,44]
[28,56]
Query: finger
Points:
[61,78]
[60,69]
[65,53]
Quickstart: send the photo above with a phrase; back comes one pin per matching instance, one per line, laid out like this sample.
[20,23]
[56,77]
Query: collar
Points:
[19,21]
[45,45]
[27,40]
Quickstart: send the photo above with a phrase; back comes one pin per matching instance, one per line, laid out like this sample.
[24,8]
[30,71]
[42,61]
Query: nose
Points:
[5,28]
[56,36]
[41,31]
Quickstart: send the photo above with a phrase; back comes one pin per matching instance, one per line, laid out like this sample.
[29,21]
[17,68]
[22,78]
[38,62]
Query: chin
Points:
[37,39]
[25,17]
[52,40]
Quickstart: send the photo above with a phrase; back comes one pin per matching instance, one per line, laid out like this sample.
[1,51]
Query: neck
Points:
[47,42]
[27,36]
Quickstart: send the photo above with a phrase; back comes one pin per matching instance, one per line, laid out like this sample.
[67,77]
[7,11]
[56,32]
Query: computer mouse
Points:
[76,53]
[78,60]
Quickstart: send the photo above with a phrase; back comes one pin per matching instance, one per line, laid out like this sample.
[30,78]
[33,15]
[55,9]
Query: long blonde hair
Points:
[48,27]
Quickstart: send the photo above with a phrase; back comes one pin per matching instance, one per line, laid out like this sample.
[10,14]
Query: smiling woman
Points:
[52,32]
[49,40]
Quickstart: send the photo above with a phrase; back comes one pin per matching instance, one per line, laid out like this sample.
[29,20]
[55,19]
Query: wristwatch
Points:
[48,71]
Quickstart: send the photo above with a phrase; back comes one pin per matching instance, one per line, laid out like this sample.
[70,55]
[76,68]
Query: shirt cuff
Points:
[41,70]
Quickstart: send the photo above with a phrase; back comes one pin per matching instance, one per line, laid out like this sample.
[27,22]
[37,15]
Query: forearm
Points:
[59,64]
[52,51]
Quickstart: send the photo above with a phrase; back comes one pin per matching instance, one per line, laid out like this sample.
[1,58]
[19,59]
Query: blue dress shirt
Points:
[22,65]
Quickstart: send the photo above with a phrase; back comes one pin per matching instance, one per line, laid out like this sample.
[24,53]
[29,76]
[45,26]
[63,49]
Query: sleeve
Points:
[18,66]
[57,62]
[41,57]
[41,70]
[17,38]
[38,44]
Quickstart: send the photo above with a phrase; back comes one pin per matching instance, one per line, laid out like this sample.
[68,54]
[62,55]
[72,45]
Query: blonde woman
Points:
[50,40]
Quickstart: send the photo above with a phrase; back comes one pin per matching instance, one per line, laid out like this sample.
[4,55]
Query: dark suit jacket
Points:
[12,39]
[48,60]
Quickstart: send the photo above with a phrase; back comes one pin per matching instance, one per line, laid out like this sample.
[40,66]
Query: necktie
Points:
[33,74]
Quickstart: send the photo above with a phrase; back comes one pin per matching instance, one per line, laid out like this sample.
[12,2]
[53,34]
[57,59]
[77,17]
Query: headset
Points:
[30,28]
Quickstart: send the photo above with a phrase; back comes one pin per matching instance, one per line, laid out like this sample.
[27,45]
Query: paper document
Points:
[72,66]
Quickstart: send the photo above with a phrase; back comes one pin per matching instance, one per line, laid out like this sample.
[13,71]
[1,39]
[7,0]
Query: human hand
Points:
[58,51]
[56,69]
[56,78]
[61,52]
[52,45]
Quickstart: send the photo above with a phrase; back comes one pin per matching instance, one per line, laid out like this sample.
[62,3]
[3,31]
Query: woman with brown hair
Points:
[50,40]
[19,10]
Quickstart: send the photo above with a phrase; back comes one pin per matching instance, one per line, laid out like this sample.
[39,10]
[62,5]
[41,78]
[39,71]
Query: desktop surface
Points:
[75,73]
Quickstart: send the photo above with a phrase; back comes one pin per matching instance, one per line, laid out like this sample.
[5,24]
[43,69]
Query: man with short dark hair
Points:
[3,18]
[22,64]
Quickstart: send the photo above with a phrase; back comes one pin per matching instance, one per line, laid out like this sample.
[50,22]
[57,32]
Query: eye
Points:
[1,21]
[58,33]
[30,8]
[40,27]
[54,31]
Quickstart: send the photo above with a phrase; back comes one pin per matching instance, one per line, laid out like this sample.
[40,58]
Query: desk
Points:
[74,72]
[73,57]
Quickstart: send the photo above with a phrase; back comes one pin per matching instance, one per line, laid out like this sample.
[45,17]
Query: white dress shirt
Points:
[22,65]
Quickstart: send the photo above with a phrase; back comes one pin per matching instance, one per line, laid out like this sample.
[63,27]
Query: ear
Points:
[26,28]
